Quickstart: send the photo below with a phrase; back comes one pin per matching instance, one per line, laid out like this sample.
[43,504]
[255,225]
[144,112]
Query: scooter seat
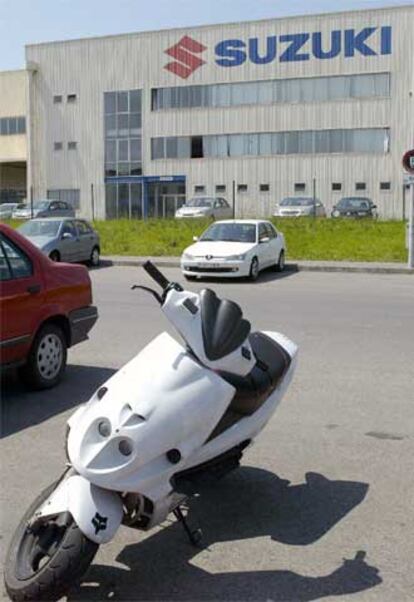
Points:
[272,363]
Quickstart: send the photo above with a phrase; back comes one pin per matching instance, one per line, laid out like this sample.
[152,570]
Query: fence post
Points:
[93,203]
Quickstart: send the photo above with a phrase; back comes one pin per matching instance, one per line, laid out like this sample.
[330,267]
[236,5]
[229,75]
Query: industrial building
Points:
[131,125]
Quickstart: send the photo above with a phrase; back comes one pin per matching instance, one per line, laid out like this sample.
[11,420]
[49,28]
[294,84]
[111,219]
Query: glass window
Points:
[21,125]
[157,148]
[264,187]
[110,151]
[199,188]
[385,185]
[19,265]
[300,187]
[57,146]
[336,186]
[295,90]
[123,150]
[241,187]
[123,125]
[12,125]
[57,98]
[4,126]
[135,123]
[171,148]
[135,101]
[220,188]
[110,102]
[360,186]
[71,98]
[135,149]
[83,227]
[69,228]
[72,145]
[122,102]
[110,126]
[111,208]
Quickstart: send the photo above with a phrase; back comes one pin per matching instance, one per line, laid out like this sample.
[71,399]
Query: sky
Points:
[30,21]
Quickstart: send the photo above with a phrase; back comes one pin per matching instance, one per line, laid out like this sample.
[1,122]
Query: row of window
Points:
[298,187]
[10,126]
[70,98]
[58,146]
[374,140]
[298,90]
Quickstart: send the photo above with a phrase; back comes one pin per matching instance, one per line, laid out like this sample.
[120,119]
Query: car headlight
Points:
[188,256]
[236,257]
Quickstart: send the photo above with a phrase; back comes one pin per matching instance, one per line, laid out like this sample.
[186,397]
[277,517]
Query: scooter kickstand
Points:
[194,535]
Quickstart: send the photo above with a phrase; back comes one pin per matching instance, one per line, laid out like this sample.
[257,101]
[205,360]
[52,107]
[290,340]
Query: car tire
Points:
[280,265]
[94,259]
[46,361]
[54,256]
[254,269]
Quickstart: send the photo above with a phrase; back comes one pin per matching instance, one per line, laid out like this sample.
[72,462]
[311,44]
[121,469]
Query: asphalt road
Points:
[323,504]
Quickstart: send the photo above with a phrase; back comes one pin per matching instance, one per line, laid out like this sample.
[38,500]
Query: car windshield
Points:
[40,228]
[297,202]
[354,203]
[230,232]
[200,202]
[41,204]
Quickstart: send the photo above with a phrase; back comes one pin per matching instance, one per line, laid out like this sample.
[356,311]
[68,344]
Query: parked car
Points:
[45,309]
[354,206]
[235,248]
[6,210]
[64,239]
[47,208]
[300,206]
[205,206]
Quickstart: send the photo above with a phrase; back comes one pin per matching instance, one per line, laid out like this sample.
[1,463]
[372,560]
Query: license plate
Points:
[208,265]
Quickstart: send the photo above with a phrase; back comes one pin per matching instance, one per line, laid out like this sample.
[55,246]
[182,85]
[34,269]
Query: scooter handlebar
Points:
[156,275]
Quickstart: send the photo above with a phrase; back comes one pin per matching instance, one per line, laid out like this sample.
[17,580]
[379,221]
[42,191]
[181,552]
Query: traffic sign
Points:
[408,161]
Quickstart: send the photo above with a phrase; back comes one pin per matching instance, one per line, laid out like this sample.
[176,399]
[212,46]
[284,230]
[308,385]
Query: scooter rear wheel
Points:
[43,562]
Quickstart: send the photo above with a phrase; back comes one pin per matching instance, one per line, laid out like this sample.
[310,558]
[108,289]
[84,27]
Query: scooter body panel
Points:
[162,400]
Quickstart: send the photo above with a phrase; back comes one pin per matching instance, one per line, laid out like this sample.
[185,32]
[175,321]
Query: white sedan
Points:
[234,249]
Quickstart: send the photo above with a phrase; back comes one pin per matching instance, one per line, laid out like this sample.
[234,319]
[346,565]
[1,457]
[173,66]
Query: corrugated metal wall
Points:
[90,67]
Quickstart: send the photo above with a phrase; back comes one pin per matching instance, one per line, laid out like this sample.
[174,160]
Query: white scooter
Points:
[172,418]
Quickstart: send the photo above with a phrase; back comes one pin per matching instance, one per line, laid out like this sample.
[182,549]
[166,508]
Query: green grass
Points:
[307,238]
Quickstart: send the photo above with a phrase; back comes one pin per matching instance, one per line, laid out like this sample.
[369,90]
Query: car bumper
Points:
[81,322]
[225,269]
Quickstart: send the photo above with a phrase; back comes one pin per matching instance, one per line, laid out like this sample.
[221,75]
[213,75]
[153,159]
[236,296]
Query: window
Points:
[367,140]
[72,145]
[196,147]
[71,98]
[297,90]
[264,187]
[263,233]
[123,144]
[336,186]
[71,196]
[300,187]
[69,228]
[360,186]
[270,231]
[385,185]
[220,188]
[242,187]
[57,99]
[199,188]
[14,263]
[57,146]
[10,126]
[83,227]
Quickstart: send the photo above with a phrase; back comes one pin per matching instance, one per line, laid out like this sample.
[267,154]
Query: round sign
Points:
[408,161]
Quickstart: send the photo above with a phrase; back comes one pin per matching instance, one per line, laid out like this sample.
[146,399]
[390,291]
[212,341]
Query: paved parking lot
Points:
[323,505]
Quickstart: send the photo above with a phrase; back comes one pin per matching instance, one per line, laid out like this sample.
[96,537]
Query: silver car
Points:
[300,206]
[6,210]
[48,208]
[70,240]
[205,206]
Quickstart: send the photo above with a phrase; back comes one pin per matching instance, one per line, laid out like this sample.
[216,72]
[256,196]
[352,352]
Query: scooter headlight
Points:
[104,428]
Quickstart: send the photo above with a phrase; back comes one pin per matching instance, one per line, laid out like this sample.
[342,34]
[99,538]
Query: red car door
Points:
[20,300]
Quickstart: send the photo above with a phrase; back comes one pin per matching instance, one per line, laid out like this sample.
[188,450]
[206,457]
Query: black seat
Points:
[272,363]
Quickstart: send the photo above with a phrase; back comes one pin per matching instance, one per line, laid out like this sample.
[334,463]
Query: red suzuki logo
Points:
[184,53]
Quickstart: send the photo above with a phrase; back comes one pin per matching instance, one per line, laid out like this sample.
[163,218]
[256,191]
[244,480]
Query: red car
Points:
[45,307]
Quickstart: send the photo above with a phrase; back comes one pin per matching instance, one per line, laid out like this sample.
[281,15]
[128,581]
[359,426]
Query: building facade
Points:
[130,125]
[13,145]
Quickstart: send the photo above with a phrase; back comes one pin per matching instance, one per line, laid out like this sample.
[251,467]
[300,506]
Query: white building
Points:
[124,125]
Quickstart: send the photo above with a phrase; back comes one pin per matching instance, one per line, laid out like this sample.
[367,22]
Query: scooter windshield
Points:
[223,326]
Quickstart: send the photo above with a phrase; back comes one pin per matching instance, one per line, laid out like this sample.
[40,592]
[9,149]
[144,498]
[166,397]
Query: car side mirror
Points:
[67,236]
[265,239]
[195,238]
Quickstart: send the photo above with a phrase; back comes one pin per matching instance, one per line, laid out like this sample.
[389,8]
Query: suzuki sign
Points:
[285,48]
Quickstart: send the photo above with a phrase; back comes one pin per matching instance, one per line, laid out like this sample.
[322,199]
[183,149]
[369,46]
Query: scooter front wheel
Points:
[44,560]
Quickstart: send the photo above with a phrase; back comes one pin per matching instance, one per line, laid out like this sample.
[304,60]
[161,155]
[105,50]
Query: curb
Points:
[290,267]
